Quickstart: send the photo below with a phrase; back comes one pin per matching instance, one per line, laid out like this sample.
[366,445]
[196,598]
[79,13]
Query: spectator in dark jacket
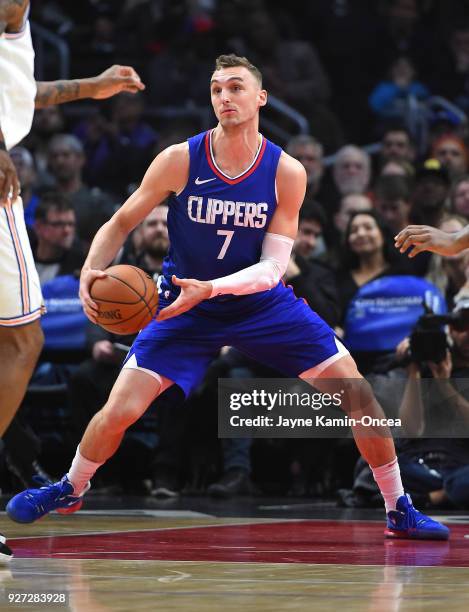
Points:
[311,279]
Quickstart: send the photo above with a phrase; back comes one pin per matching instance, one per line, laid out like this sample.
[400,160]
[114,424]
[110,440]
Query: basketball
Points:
[127,299]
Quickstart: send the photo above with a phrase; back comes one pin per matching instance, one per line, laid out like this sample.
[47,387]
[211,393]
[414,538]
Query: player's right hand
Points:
[87,278]
[426,238]
[9,183]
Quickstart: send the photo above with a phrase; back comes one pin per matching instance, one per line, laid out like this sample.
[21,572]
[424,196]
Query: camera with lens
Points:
[428,341]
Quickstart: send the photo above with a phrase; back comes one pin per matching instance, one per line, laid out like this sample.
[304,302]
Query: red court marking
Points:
[323,542]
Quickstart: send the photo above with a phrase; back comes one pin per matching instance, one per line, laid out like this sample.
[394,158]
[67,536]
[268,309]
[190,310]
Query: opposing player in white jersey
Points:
[21,306]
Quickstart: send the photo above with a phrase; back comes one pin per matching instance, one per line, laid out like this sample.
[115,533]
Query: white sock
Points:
[388,479]
[81,471]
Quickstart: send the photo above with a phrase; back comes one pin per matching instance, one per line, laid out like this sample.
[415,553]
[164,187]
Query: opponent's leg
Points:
[377,449]
[131,395]
[19,351]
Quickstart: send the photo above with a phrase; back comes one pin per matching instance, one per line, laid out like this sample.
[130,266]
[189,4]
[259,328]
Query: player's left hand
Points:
[116,79]
[192,293]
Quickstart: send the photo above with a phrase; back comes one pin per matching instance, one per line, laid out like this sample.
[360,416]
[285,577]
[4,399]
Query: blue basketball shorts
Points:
[282,333]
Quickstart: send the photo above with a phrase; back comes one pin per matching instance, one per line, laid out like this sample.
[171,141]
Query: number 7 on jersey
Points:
[228,236]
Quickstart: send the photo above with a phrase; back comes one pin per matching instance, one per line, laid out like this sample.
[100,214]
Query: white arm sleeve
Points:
[265,274]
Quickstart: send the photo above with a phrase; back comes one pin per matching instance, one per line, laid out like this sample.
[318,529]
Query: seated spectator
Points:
[398,168]
[367,253]
[309,152]
[442,121]
[451,273]
[349,204]
[452,153]
[47,122]
[352,171]
[392,201]
[430,193]
[451,67]
[24,164]
[390,97]
[118,151]
[460,197]
[371,295]
[66,160]
[152,243]
[397,145]
[311,279]
[292,70]
[54,249]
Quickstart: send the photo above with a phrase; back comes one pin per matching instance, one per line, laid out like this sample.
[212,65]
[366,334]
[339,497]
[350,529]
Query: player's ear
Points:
[262,97]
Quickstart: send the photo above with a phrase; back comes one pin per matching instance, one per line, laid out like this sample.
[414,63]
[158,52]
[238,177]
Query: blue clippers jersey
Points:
[217,224]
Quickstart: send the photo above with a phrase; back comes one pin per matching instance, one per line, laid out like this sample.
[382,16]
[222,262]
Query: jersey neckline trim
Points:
[232,180]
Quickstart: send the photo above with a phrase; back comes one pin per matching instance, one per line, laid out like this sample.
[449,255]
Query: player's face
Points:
[236,96]
[365,237]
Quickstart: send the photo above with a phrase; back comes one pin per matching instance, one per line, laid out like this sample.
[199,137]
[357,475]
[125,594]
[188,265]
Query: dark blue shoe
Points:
[407,522]
[32,504]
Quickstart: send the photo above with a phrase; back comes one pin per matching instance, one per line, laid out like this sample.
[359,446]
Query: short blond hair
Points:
[232,60]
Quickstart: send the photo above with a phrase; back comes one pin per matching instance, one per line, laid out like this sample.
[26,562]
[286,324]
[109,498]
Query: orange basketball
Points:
[127,299]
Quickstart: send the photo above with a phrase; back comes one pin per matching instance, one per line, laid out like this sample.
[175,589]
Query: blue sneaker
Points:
[33,504]
[407,522]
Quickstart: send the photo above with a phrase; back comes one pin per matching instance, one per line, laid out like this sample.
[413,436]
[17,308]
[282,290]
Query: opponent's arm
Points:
[276,248]
[167,173]
[9,183]
[427,238]
[12,14]
[110,82]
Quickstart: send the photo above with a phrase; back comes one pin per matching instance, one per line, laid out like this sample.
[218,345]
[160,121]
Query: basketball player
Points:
[428,238]
[20,295]
[233,216]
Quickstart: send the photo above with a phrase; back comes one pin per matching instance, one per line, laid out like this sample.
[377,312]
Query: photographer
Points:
[436,467]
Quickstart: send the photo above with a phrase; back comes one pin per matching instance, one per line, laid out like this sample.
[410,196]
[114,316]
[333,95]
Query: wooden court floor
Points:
[168,561]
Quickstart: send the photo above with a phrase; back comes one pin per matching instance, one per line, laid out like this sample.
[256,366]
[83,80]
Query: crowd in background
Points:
[359,72]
